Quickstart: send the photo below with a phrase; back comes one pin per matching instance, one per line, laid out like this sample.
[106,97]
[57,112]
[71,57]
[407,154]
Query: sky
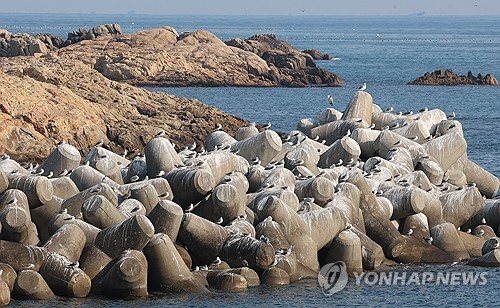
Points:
[257,7]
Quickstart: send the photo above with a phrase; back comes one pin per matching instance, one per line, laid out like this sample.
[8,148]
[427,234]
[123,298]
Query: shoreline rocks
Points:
[51,98]
[162,57]
[317,55]
[23,44]
[286,61]
[449,78]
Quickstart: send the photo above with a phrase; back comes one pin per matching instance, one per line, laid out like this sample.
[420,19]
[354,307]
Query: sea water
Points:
[386,53]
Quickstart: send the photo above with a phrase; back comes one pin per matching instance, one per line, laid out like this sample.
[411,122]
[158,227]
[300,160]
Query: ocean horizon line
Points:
[415,15]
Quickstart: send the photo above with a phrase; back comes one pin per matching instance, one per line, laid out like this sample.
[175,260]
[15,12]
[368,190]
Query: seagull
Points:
[244,263]
[424,109]
[264,239]
[64,211]
[480,232]
[40,172]
[192,147]
[160,174]
[372,126]
[286,251]
[51,174]
[339,163]
[268,219]
[483,221]
[469,230]
[413,138]
[63,173]
[28,266]
[5,157]
[165,195]
[13,201]
[330,100]
[160,134]
[348,133]
[394,126]
[189,209]
[409,232]
[390,109]
[99,143]
[348,227]
[218,126]
[363,87]
[267,126]
[219,221]
[451,116]
[134,178]
[408,113]
[217,261]
[428,239]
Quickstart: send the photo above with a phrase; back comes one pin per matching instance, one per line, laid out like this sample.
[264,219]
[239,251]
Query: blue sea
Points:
[386,53]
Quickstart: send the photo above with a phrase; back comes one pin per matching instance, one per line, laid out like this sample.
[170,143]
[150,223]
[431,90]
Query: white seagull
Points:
[363,87]
[330,100]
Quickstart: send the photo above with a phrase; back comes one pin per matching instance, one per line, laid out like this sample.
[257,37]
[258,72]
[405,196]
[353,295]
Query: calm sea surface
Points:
[384,52]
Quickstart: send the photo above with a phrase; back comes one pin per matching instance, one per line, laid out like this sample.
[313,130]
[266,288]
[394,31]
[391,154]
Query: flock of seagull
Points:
[450,116]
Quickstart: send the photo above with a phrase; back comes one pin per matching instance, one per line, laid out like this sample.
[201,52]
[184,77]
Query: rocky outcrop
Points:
[84,34]
[317,55]
[199,58]
[51,98]
[449,78]
[22,44]
[162,57]
[12,45]
[260,43]
[287,62]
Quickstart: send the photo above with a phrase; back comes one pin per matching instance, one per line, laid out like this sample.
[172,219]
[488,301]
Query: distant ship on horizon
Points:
[417,14]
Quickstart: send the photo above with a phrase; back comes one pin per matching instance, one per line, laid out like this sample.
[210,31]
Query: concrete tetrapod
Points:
[128,277]
[31,285]
[63,157]
[170,273]
[133,233]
